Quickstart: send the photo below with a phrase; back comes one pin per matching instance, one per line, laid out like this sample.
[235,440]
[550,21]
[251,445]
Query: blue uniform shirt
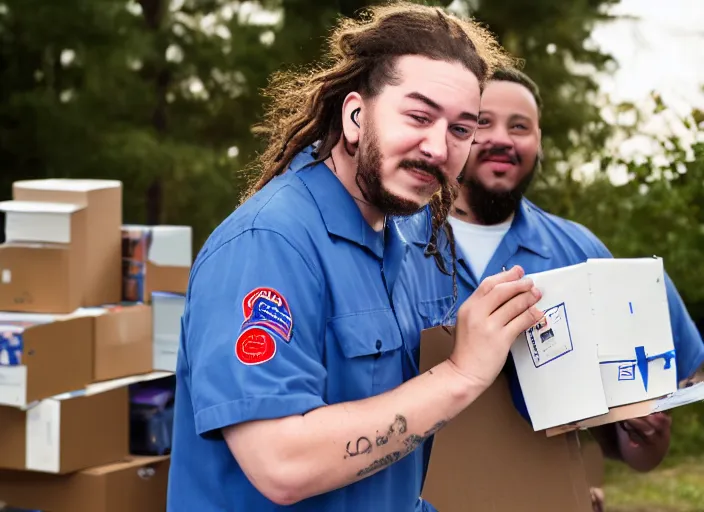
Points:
[537,241]
[289,308]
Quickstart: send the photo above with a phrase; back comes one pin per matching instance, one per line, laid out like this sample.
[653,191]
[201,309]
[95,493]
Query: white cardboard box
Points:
[28,221]
[167,310]
[607,341]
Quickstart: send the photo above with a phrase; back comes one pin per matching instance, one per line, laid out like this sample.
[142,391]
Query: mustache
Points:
[422,165]
[499,151]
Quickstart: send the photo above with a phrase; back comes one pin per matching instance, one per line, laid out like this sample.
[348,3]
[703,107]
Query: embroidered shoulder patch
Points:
[267,308]
[255,346]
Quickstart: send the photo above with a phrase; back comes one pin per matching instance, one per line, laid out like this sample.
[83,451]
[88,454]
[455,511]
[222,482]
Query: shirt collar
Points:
[525,227]
[340,213]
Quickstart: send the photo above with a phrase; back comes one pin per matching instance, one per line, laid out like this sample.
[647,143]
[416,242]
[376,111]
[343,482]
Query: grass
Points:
[676,486]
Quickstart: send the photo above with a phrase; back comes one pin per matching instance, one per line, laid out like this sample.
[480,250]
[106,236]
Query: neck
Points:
[345,168]
[462,211]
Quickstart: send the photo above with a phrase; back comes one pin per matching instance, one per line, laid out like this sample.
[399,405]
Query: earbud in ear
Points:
[355,115]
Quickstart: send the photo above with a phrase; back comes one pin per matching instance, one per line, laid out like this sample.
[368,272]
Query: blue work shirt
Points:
[537,241]
[289,308]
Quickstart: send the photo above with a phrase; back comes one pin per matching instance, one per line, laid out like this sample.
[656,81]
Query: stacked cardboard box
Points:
[156,266]
[85,397]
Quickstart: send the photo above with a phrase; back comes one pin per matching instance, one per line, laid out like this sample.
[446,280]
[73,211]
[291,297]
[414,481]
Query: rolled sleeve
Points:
[255,333]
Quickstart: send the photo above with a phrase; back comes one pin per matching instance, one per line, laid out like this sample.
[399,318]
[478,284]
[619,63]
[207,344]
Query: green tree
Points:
[162,94]
[552,39]
[659,210]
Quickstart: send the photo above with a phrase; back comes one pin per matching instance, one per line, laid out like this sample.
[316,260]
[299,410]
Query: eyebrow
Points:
[435,106]
[512,116]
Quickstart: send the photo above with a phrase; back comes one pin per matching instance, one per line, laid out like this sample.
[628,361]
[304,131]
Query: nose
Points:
[496,135]
[434,144]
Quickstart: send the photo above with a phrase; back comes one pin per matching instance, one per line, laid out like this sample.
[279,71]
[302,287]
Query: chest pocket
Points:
[370,355]
[434,312]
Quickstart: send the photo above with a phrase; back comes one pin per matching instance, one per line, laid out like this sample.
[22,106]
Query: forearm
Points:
[336,445]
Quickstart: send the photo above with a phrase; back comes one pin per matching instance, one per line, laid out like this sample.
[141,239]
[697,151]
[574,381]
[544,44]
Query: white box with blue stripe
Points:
[606,341]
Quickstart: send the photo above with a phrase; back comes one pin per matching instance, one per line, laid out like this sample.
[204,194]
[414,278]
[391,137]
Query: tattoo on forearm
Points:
[399,426]
[412,442]
[363,445]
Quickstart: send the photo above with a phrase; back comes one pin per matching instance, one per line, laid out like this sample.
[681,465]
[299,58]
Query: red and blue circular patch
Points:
[266,316]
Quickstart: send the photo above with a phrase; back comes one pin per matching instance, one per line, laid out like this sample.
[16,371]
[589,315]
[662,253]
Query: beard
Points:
[368,178]
[491,207]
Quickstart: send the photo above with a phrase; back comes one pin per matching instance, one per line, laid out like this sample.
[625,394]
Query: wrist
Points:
[464,389]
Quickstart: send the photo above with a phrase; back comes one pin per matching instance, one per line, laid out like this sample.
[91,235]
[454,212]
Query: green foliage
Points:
[658,211]
[157,92]
[551,37]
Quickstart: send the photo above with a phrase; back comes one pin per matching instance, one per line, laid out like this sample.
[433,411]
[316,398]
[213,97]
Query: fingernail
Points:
[535,292]
[540,323]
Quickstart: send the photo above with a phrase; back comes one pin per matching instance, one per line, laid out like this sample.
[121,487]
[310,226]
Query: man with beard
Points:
[293,383]
[495,227]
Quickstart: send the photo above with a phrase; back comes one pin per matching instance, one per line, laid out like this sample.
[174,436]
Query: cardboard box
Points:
[138,484]
[489,457]
[71,431]
[101,202]
[40,278]
[168,309]
[28,221]
[42,356]
[155,259]
[122,340]
[42,262]
[607,341]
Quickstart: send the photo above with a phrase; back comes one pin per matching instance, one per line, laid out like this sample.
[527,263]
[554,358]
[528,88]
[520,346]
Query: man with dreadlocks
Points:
[293,383]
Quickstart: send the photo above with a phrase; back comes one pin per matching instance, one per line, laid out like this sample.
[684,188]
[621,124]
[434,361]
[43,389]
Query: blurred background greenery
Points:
[162,94]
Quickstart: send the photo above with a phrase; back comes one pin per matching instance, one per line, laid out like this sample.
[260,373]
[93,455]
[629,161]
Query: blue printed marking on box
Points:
[627,371]
[551,339]
[11,345]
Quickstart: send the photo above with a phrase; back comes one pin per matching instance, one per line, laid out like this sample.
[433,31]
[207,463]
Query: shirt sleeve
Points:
[689,347]
[254,333]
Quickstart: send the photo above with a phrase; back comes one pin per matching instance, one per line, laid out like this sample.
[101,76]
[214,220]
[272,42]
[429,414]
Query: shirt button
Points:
[378,344]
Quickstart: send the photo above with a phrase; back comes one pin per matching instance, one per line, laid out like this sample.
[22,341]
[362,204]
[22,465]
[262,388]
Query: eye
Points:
[463,132]
[483,122]
[419,118]
[520,126]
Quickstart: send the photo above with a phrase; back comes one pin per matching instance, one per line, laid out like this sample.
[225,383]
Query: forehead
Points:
[508,98]
[449,84]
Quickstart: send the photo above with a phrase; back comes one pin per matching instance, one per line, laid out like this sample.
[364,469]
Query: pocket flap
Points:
[367,333]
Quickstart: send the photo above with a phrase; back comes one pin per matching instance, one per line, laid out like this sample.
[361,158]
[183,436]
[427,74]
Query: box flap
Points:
[168,296]
[131,462]
[171,246]
[38,207]
[9,317]
[30,221]
[102,387]
[679,398]
[68,185]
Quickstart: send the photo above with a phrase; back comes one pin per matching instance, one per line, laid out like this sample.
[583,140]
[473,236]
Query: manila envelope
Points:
[489,459]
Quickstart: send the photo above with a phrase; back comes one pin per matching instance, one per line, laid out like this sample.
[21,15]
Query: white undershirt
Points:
[478,243]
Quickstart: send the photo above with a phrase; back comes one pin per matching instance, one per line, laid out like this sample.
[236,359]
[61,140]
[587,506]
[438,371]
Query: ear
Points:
[353,101]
